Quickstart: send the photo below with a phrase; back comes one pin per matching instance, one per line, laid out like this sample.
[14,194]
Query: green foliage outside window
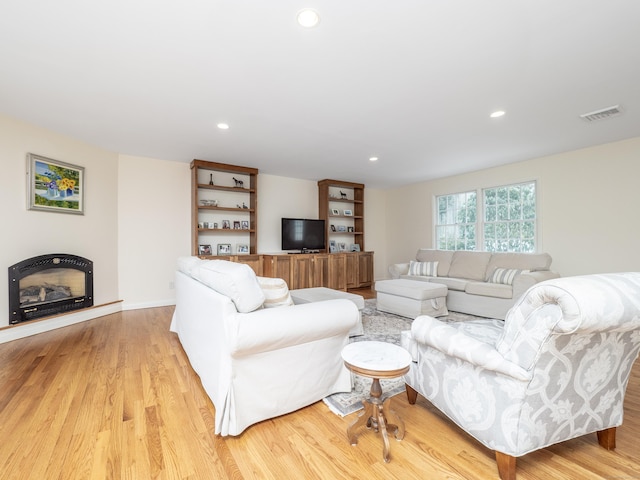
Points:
[508,223]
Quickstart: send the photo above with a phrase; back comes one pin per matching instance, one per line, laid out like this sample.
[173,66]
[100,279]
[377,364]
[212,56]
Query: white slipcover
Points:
[264,363]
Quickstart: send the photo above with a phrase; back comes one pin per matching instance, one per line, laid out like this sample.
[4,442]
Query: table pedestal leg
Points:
[374,417]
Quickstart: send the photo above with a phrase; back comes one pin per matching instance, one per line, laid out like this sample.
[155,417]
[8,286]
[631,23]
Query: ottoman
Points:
[319,294]
[411,298]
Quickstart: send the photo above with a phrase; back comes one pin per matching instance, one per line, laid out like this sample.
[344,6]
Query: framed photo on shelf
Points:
[333,248]
[348,213]
[245,225]
[335,211]
[224,249]
[355,247]
[204,249]
[236,224]
[350,229]
[342,247]
[342,228]
[333,228]
[226,224]
[243,248]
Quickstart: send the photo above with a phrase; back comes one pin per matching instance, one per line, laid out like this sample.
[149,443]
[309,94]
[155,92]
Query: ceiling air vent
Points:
[602,114]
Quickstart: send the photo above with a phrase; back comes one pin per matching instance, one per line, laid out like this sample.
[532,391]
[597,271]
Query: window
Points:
[510,218]
[456,222]
[508,215]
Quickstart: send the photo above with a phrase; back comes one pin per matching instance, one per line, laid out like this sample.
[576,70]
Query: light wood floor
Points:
[115,398]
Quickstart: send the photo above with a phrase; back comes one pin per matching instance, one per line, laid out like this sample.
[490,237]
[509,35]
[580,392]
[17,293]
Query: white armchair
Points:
[257,363]
[555,369]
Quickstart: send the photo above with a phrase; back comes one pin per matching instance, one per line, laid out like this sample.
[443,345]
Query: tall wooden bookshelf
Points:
[235,189]
[341,206]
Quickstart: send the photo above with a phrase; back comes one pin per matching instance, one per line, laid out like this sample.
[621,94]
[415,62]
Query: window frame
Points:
[481,219]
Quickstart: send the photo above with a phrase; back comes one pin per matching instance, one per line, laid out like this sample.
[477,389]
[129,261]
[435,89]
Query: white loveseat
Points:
[257,363]
[479,283]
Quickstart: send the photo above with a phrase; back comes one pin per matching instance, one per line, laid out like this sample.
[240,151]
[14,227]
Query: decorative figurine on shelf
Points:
[343,195]
[239,183]
[244,206]
[211,179]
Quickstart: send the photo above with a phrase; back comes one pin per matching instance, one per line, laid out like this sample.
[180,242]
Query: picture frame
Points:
[245,225]
[54,186]
[355,247]
[242,249]
[350,229]
[236,224]
[342,228]
[333,248]
[204,249]
[333,228]
[342,247]
[348,213]
[226,224]
[224,249]
[335,212]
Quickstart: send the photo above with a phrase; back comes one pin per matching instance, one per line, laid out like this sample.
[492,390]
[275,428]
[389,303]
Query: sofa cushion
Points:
[443,257]
[234,280]
[471,265]
[496,290]
[423,269]
[505,275]
[276,292]
[521,261]
[452,283]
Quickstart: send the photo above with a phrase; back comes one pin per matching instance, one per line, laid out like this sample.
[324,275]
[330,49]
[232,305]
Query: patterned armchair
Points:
[555,369]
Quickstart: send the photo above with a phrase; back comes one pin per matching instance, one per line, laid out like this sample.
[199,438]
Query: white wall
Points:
[588,207]
[154,223]
[29,233]
[282,197]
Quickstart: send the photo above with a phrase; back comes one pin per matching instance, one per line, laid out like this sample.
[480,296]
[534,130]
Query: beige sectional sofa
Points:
[479,283]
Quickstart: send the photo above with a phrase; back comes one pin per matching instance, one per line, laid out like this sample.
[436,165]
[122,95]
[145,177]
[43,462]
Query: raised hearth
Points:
[48,285]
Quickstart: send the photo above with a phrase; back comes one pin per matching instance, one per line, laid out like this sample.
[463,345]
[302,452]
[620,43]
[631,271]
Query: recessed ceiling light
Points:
[497,113]
[223,126]
[373,159]
[308,18]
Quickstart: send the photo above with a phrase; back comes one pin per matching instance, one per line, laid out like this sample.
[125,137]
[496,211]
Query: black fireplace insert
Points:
[49,285]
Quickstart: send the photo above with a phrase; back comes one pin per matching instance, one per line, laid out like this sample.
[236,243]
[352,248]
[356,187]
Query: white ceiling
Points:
[412,82]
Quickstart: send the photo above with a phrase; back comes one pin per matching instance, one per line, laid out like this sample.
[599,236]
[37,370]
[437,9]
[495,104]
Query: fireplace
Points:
[49,285]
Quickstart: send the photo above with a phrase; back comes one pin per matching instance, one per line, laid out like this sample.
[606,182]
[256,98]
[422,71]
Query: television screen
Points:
[302,234]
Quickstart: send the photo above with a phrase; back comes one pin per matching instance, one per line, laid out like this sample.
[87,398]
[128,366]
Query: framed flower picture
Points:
[54,186]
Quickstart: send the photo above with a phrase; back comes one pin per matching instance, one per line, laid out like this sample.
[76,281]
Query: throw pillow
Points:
[423,269]
[505,276]
[276,292]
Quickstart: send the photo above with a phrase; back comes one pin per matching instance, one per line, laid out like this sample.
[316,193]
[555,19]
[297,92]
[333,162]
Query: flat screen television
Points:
[302,234]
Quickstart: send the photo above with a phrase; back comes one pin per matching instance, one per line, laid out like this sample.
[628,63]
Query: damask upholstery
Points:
[556,368]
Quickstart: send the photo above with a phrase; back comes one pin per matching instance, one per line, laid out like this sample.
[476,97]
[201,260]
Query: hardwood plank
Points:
[115,398]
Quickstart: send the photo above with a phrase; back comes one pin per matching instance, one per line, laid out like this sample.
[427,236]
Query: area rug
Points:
[382,327]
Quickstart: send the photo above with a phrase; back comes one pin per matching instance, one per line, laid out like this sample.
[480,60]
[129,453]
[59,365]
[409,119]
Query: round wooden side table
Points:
[377,360]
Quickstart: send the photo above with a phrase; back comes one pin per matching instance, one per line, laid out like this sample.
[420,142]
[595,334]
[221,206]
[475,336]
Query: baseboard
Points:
[33,327]
[155,303]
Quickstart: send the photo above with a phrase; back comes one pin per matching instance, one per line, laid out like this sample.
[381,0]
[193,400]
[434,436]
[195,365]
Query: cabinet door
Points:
[365,269]
[337,271]
[320,271]
[278,266]
[301,274]
[353,265]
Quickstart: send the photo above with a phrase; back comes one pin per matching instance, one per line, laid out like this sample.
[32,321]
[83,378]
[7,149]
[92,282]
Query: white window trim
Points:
[480,212]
